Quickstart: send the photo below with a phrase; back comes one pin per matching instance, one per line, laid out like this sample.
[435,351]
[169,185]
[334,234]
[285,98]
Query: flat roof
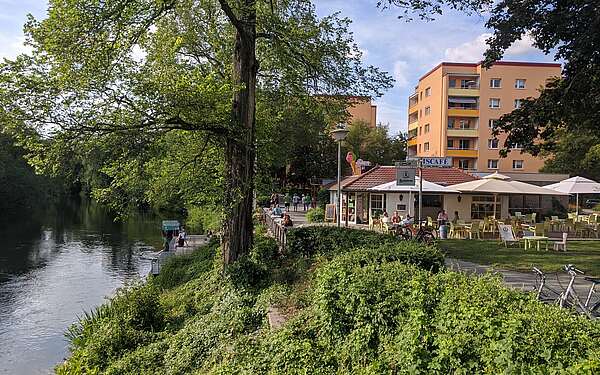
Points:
[505,63]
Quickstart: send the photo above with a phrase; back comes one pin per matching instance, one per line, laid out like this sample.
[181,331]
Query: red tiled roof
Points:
[383,174]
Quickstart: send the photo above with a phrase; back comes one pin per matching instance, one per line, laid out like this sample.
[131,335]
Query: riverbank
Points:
[348,302]
[55,266]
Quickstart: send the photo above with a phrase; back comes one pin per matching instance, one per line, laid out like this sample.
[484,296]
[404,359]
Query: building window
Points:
[428,92]
[450,143]
[494,103]
[491,123]
[427,111]
[466,83]
[493,144]
[376,204]
[517,103]
[420,130]
[463,124]
[464,144]
[426,146]
[452,83]
[520,84]
[492,163]
[517,164]
[463,164]
[495,83]
[421,95]
[419,148]
[450,123]
[515,146]
[427,128]
[483,206]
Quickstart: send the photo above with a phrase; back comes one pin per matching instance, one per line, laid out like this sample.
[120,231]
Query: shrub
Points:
[178,270]
[203,219]
[322,240]
[315,215]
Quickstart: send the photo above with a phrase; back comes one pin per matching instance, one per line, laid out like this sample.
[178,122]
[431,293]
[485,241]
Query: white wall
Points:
[463,207]
[393,199]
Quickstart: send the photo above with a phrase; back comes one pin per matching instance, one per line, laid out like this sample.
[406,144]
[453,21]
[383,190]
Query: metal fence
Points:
[277,230]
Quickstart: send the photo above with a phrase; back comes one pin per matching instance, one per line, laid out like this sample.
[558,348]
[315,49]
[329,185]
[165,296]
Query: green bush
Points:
[313,240]
[178,270]
[203,219]
[315,215]
[596,208]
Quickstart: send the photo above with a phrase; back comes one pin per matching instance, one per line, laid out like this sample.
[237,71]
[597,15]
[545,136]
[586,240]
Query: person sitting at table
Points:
[407,221]
[385,218]
[396,218]
[456,218]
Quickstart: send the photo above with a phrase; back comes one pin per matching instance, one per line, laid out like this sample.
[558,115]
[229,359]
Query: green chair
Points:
[475,230]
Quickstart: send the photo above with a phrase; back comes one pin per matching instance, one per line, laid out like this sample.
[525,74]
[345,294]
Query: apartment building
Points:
[361,108]
[455,105]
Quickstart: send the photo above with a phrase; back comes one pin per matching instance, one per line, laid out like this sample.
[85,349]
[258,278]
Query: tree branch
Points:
[232,17]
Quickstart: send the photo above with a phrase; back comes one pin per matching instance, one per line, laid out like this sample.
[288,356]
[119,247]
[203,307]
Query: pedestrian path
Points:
[524,281]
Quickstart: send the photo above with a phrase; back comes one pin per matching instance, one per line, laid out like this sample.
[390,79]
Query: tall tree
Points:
[126,72]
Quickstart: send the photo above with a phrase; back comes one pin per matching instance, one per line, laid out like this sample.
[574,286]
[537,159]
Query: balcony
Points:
[462,153]
[457,91]
[413,125]
[463,112]
[413,100]
[412,142]
[470,132]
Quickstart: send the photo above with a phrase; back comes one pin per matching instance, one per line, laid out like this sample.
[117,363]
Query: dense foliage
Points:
[21,190]
[315,215]
[375,309]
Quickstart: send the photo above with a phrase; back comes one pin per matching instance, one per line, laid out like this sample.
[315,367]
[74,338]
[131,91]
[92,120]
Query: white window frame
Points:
[427,128]
[428,92]
[517,103]
[462,123]
[460,161]
[491,123]
[464,140]
[371,196]
[517,83]
[427,111]
[490,162]
[426,147]
[494,80]
[522,164]
[491,143]
[493,100]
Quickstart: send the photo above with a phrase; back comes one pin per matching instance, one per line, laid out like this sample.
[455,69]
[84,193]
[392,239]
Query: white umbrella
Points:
[576,185]
[428,187]
[497,183]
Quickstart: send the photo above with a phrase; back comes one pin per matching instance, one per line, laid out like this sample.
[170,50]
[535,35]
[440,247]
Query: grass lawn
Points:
[583,254]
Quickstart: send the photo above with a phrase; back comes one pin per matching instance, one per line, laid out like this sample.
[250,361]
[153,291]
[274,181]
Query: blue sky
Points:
[406,50]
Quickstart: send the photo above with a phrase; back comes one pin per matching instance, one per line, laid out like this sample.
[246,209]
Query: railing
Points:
[277,230]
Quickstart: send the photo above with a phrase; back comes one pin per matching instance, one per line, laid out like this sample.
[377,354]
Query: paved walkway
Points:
[522,280]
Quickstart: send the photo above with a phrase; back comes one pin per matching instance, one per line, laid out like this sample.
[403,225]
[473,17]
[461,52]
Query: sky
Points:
[405,50]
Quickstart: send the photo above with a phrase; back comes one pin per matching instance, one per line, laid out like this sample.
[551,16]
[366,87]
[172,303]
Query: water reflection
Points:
[55,266]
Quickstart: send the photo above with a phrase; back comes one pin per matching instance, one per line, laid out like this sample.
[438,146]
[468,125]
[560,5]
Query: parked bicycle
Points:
[423,234]
[569,297]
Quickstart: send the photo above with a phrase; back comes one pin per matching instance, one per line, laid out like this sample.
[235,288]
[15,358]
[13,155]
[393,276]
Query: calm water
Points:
[53,268]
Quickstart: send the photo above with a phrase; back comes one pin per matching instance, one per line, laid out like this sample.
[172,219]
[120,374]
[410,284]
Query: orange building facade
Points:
[360,108]
[454,105]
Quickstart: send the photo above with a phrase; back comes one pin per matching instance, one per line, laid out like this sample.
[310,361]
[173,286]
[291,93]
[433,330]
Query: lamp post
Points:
[339,134]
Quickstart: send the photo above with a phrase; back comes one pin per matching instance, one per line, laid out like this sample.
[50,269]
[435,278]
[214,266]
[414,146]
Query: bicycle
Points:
[570,298]
[422,235]
[542,291]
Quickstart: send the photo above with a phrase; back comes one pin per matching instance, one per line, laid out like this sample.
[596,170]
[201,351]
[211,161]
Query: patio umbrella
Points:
[497,183]
[576,185]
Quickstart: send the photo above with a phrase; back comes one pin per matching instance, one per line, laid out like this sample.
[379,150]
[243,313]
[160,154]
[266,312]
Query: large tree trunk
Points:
[240,147]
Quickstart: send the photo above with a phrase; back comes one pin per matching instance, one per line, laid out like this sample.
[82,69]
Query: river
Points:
[55,266]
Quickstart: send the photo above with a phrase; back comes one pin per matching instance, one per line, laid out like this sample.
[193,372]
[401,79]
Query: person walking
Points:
[296,201]
[313,201]
[306,201]
[287,200]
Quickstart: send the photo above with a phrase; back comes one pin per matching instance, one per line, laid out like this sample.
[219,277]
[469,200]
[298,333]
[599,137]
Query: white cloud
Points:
[472,51]
[401,73]
[12,46]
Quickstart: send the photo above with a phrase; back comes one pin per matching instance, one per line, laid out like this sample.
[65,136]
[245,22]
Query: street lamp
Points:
[338,135]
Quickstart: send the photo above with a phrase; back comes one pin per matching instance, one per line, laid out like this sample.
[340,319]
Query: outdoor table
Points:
[461,228]
[537,239]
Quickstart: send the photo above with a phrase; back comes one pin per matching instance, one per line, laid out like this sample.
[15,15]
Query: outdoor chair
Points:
[518,214]
[563,244]
[507,235]
[385,227]
[533,218]
[474,231]
[451,232]
[554,218]
[582,230]
[538,230]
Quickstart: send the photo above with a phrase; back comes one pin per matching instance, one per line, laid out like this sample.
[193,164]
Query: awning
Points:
[462,100]
[428,187]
